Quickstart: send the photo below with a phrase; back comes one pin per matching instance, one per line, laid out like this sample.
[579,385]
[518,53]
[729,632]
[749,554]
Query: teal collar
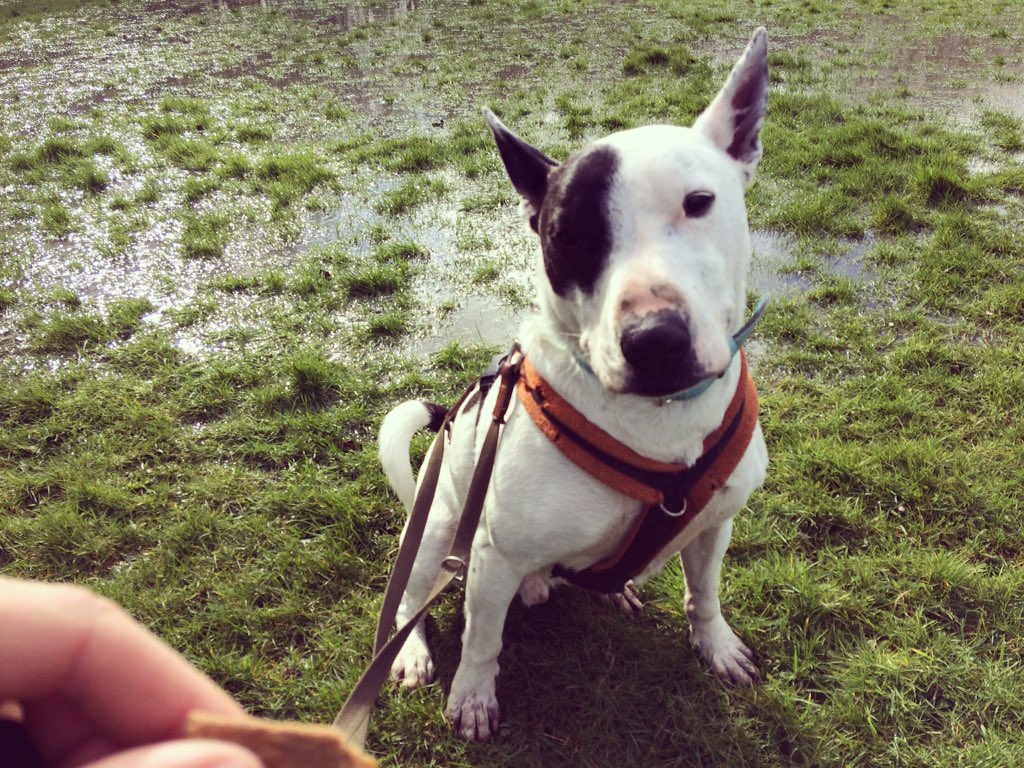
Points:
[736,343]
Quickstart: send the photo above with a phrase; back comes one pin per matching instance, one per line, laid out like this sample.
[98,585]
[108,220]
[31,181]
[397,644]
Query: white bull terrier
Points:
[645,248]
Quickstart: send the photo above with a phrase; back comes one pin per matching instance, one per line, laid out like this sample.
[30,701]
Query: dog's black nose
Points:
[659,340]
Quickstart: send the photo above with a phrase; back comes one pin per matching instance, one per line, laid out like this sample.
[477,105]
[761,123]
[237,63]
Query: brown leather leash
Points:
[354,718]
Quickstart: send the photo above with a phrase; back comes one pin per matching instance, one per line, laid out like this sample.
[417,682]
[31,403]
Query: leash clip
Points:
[456,566]
[670,513]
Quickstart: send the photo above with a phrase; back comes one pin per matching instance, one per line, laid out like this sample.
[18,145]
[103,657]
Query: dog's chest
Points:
[543,509]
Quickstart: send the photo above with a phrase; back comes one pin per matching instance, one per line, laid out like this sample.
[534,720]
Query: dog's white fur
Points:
[540,508]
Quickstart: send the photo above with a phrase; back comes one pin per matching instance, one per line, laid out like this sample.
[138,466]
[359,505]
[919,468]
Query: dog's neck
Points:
[665,431]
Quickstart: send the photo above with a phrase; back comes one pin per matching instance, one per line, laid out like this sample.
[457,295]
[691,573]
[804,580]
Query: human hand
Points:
[94,689]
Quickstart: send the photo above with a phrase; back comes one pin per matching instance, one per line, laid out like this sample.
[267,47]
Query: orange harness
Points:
[672,494]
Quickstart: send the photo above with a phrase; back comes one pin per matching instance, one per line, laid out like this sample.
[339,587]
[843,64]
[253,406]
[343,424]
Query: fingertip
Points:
[185,753]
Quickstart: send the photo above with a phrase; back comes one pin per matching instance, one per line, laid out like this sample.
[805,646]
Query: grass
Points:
[646,58]
[64,332]
[204,235]
[412,192]
[288,177]
[209,285]
[56,220]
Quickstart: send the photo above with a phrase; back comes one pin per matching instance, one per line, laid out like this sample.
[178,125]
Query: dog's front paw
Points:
[474,713]
[726,654]
[413,667]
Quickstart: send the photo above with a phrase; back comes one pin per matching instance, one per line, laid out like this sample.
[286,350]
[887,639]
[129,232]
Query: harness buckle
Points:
[455,566]
[670,513]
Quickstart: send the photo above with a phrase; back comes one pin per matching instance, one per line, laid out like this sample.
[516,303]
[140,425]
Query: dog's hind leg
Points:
[627,602]
[710,634]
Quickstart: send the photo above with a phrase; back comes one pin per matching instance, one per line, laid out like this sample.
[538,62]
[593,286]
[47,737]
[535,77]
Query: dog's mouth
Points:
[659,354]
[664,365]
[657,381]
[665,381]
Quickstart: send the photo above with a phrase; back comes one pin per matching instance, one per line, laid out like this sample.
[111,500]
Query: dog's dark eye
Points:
[696,204]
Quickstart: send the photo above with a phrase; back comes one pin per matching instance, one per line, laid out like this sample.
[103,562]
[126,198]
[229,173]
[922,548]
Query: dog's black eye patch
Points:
[575,226]
[696,204]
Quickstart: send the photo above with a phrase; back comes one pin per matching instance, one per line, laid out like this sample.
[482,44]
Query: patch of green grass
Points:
[57,150]
[646,58]
[895,216]
[944,185]
[66,160]
[234,166]
[253,134]
[1007,131]
[88,177]
[313,381]
[103,144]
[486,273]
[966,257]
[78,331]
[185,105]
[286,178]
[466,145]
[389,324]
[399,252]
[827,212]
[65,297]
[486,202]
[849,168]
[414,154]
[160,127]
[195,189]
[376,280]
[70,332]
[8,298]
[412,192]
[190,154]
[310,279]
[149,192]
[61,125]
[205,235]
[335,112]
[125,316]
[56,220]
[834,291]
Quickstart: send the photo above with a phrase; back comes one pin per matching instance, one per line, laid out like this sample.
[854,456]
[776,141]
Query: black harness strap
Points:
[657,526]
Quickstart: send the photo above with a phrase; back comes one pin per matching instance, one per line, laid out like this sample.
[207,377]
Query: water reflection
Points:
[352,15]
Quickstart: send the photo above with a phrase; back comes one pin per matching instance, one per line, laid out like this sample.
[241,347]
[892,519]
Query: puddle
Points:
[479,319]
[774,269]
[351,15]
[953,75]
[476,320]
[770,266]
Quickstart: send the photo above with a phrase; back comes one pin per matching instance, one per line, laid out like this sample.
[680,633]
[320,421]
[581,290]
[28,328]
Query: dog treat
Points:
[280,744]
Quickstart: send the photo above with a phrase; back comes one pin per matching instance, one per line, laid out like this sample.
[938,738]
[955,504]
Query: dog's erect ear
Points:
[527,166]
[733,120]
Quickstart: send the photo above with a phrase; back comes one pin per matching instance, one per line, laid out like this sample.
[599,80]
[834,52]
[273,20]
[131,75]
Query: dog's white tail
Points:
[396,431]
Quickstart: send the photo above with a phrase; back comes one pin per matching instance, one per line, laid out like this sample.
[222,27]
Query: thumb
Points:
[186,753]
